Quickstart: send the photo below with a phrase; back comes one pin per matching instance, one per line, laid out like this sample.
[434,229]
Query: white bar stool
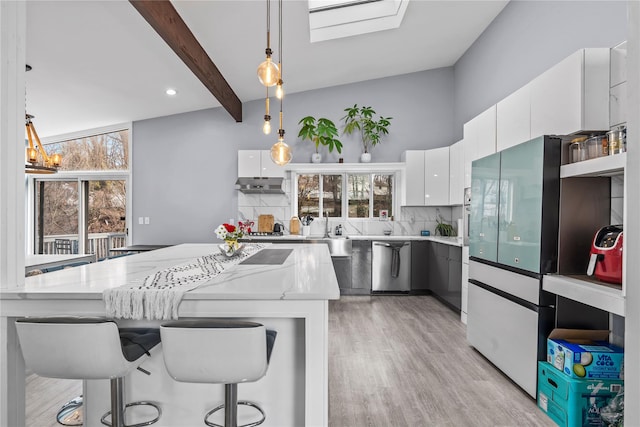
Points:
[218,351]
[88,348]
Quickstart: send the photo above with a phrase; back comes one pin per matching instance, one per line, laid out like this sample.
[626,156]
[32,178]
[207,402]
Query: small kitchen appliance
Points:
[606,255]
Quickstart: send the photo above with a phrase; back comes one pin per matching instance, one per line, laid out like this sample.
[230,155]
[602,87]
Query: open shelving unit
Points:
[583,288]
[587,291]
[601,166]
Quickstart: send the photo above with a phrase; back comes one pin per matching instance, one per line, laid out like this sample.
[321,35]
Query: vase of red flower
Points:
[230,234]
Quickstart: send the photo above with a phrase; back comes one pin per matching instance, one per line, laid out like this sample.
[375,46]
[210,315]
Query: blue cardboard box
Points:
[585,354]
[574,402]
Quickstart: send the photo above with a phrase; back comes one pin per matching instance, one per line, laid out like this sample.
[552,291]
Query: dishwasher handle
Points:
[389,245]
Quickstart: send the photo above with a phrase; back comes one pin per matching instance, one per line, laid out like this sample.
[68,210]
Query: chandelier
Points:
[38,161]
[270,74]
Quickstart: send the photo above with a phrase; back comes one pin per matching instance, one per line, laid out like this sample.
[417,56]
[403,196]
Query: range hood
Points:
[257,185]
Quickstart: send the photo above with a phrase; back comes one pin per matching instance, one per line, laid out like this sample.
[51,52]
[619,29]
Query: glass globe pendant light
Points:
[268,72]
[280,151]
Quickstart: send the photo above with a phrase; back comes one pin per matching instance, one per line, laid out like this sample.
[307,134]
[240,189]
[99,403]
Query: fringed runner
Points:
[158,296]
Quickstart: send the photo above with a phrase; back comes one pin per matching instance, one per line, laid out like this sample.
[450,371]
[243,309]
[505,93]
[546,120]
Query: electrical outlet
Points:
[146,220]
[140,220]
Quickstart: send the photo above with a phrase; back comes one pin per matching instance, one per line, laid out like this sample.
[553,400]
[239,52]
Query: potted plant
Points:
[371,129]
[321,131]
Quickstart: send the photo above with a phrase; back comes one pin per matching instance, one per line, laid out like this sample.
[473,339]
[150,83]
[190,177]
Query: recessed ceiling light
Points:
[171,92]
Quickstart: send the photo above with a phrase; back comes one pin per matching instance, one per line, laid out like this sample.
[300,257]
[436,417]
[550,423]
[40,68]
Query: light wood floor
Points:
[393,361]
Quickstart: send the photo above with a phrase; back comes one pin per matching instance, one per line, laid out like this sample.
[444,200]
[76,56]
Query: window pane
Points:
[56,216]
[106,225]
[383,194]
[359,196]
[109,151]
[308,195]
[332,195]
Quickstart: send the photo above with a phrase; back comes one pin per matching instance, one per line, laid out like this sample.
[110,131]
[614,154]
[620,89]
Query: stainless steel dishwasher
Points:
[391,266]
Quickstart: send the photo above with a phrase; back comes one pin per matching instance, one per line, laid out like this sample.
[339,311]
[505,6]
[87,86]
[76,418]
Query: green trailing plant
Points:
[442,228]
[321,131]
[363,119]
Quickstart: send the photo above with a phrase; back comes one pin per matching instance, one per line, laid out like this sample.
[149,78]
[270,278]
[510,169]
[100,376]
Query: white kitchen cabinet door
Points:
[513,119]
[268,168]
[479,139]
[436,177]
[618,105]
[456,173]
[414,187]
[618,64]
[249,163]
[572,96]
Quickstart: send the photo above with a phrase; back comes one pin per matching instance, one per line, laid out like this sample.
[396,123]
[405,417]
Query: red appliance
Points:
[606,255]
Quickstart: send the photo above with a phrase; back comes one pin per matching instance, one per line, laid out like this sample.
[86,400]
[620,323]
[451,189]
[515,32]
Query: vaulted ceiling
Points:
[98,63]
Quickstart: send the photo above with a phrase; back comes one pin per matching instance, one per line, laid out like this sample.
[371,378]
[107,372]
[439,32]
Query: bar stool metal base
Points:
[118,408]
[230,405]
[70,414]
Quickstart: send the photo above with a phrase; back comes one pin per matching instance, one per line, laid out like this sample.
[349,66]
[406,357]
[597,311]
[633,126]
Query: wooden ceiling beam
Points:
[164,18]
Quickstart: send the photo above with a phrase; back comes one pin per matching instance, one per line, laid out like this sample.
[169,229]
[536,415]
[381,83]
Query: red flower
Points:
[230,228]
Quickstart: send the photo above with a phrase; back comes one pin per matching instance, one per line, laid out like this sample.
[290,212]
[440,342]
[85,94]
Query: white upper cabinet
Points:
[258,163]
[268,167]
[456,173]
[572,96]
[479,139]
[436,177]
[618,64]
[427,177]
[414,167]
[513,119]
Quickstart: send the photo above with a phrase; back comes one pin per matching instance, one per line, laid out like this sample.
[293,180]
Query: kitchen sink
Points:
[338,246]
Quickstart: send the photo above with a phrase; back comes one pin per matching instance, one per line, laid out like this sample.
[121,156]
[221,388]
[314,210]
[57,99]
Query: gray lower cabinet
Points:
[420,266]
[445,273]
[360,269]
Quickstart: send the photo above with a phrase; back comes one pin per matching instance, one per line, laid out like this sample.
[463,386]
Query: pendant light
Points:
[268,72]
[280,151]
[266,127]
[279,88]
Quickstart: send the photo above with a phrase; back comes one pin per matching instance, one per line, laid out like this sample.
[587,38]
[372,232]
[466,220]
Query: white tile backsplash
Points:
[617,210]
[617,186]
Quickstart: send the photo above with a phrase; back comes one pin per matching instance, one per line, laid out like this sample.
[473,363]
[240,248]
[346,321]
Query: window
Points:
[86,201]
[364,195]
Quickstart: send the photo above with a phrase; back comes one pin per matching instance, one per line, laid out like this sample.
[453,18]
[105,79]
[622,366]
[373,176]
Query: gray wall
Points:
[185,166]
[525,39]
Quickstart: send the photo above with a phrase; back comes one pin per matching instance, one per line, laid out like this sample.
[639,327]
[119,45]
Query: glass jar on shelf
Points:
[578,149]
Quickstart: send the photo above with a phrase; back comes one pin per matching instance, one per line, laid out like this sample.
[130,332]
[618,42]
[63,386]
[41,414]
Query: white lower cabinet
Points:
[505,333]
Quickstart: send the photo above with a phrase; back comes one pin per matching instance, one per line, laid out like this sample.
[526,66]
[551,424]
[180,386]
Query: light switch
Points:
[140,220]
[146,220]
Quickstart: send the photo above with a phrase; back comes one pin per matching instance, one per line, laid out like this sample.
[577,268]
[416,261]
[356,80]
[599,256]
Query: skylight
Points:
[332,19]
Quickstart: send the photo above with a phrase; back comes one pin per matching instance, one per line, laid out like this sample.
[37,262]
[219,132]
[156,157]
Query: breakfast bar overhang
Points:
[291,297]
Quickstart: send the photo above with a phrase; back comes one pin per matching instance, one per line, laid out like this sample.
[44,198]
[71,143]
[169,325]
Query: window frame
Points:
[397,171]
[81,177]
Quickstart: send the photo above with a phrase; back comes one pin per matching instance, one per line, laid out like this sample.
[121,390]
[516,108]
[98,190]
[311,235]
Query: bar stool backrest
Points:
[215,351]
[72,347]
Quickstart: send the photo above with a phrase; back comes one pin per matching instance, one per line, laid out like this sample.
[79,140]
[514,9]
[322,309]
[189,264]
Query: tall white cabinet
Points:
[456,173]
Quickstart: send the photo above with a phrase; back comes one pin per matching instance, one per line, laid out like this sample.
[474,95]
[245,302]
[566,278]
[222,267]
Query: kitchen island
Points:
[291,298]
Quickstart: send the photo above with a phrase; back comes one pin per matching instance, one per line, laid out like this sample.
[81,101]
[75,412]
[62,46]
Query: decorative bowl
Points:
[231,251]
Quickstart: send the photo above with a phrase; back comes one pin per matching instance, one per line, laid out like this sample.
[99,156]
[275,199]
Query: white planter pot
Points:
[365,157]
[316,158]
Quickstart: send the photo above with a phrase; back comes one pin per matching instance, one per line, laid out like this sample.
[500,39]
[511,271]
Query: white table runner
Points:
[157,296]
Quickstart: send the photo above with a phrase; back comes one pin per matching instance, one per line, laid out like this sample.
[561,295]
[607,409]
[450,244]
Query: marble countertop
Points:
[453,241]
[303,276]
